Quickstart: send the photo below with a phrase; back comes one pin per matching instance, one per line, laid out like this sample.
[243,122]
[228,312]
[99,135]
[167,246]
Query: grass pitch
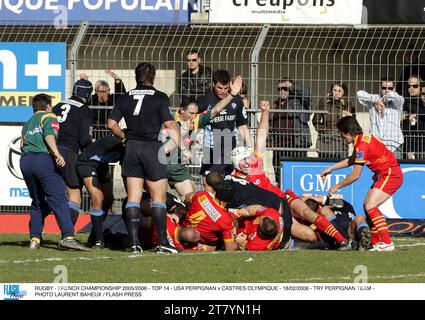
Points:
[18,264]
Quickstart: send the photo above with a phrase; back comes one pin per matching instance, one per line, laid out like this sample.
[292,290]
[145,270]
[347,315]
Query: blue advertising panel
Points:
[72,11]
[408,202]
[26,69]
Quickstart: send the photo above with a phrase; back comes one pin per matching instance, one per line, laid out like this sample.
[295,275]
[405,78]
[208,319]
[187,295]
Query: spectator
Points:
[421,125]
[219,136]
[75,119]
[410,122]
[414,67]
[103,98]
[40,158]
[386,110]
[290,130]
[336,104]
[196,80]
[145,111]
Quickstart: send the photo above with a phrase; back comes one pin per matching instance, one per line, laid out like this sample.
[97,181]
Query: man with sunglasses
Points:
[386,111]
[413,108]
[196,80]
[290,130]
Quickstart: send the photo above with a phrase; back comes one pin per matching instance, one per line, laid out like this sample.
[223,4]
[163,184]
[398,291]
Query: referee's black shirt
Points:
[144,109]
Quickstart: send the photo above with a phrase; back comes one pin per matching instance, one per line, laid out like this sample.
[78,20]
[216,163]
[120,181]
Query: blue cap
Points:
[82,89]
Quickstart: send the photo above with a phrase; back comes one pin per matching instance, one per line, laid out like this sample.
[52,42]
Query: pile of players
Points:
[237,209]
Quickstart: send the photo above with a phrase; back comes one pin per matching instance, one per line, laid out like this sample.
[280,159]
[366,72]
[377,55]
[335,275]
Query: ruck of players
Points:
[237,208]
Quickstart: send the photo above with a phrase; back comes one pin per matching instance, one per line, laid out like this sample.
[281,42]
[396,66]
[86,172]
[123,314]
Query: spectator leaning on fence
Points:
[104,98]
[337,106]
[411,107]
[196,80]
[39,161]
[386,110]
[290,130]
[414,67]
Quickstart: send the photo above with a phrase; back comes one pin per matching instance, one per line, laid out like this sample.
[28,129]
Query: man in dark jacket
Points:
[196,80]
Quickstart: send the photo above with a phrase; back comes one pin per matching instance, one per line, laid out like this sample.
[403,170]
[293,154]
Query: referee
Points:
[39,165]
[145,110]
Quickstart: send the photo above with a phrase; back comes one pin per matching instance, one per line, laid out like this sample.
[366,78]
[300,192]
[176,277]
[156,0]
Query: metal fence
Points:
[312,57]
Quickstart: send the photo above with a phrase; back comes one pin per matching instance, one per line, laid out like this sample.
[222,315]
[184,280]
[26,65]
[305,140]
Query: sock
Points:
[132,221]
[36,239]
[74,210]
[97,224]
[325,226]
[375,237]
[360,228]
[380,223]
[159,218]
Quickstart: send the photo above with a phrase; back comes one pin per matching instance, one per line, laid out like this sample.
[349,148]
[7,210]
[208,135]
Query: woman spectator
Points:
[336,104]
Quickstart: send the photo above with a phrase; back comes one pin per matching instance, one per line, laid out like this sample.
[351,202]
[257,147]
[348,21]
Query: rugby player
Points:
[250,168]
[388,177]
[75,118]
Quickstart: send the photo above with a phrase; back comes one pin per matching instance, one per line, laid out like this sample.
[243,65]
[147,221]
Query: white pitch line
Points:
[399,276]
[133,256]
[411,245]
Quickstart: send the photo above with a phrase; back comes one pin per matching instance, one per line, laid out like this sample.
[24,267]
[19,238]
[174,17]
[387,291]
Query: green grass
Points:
[21,265]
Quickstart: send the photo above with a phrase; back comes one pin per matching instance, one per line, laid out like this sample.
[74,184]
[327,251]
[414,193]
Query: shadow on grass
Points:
[48,244]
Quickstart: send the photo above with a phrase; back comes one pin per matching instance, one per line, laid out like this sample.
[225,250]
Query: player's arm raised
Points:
[235,88]
[263,128]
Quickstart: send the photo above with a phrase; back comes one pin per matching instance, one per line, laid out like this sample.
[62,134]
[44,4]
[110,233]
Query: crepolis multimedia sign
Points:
[287,11]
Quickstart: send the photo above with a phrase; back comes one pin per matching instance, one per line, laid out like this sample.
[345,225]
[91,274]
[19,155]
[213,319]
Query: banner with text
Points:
[62,12]
[13,190]
[408,202]
[26,69]
[348,12]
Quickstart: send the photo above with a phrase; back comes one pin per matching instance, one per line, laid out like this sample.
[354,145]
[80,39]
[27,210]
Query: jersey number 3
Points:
[139,99]
[64,114]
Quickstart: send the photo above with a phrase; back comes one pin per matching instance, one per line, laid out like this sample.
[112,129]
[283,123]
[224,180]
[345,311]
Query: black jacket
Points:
[195,85]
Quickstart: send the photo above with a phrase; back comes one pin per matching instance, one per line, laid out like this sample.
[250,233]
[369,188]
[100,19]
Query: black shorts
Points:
[69,171]
[144,159]
[86,169]
[287,220]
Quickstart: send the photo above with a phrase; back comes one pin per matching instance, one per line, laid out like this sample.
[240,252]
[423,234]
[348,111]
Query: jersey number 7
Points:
[139,99]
